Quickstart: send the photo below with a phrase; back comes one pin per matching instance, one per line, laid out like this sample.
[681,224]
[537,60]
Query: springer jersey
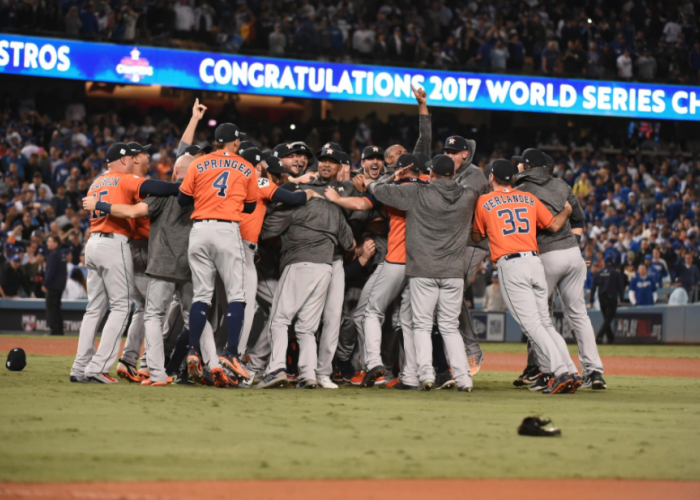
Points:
[117,189]
[510,219]
[252,223]
[220,183]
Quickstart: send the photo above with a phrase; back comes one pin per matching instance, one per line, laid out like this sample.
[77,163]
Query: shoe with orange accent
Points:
[577,382]
[232,362]
[151,383]
[357,379]
[380,381]
[128,372]
[560,384]
[475,363]
[391,383]
[372,375]
[144,373]
[194,365]
[103,378]
[221,380]
[292,378]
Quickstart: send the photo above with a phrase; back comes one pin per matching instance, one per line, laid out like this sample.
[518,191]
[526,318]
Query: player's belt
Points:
[214,220]
[520,254]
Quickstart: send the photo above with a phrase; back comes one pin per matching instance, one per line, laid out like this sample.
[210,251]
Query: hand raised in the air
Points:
[198,110]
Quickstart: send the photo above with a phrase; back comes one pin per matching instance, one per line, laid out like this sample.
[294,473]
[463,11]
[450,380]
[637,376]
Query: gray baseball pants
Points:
[445,295]
[251,290]
[566,271]
[332,317]
[172,326]
[389,282]
[301,293]
[409,367]
[524,290]
[259,353]
[474,256]
[110,283]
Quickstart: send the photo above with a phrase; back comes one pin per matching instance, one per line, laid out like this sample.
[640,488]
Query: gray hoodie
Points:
[471,176]
[438,221]
[308,233]
[554,193]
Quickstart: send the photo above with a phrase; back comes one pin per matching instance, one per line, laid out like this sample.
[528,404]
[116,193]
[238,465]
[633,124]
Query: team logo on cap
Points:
[123,151]
[451,141]
[134,67]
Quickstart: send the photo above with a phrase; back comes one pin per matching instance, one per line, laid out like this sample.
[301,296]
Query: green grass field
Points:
[52,430]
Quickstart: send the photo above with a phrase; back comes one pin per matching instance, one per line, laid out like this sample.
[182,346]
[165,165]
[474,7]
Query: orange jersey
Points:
[142,228]
[510,220]
[252,223]
[114,188]
[221,183]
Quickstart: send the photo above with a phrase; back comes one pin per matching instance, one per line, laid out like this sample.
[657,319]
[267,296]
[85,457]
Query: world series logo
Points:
[134,67]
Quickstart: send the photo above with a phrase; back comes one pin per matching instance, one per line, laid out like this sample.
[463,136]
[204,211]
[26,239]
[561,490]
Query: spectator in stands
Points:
[76,287]
[642,289]
[363,41]
[624,65]
[689,275]
[550,58]
[659,265]
[54,284]
[646,66]
[277,41]
[493,298]
[73,23]
[499,56]
[679,296]
[184,19]
[12,278]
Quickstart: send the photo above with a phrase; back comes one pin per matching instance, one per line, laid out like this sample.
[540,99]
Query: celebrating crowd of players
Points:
[287,267]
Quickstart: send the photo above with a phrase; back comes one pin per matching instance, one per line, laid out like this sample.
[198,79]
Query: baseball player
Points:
[510,220]
[109,263]
[559,252]
[438,216]
[251,225]
[310,235]
[222,186]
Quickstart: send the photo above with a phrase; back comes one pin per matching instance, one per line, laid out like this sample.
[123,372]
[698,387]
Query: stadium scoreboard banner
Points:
[127,64]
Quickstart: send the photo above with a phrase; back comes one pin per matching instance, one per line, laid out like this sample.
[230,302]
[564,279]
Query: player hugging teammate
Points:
[289,268]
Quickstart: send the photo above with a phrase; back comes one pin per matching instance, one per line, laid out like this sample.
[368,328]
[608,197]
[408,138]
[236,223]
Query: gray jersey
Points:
[309,233]
[553,193]
[438,222]
[169,238]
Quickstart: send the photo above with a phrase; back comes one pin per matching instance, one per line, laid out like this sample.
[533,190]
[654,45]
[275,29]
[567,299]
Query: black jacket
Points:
[56,271]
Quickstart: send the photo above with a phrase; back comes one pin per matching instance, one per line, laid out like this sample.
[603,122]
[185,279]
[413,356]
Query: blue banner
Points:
[103,62]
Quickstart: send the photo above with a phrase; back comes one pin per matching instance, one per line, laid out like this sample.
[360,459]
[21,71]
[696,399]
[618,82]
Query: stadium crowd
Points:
[641,209]
[633,39]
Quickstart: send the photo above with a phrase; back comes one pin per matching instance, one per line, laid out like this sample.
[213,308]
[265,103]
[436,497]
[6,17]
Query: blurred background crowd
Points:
[624,39]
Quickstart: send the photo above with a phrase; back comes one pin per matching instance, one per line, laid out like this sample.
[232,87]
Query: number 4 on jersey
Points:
[221,183]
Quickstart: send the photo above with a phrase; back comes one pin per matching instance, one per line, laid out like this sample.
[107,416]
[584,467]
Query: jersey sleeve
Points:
[479,225]
[374,202]
[266,189]
[544,216]
[187,186]
[131,185]
[252,189]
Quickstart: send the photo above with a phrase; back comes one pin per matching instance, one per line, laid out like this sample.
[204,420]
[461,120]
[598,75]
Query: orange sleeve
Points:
[268,191]
[479,226]
[544,216]
[252,191]
[131,185]
[187,186]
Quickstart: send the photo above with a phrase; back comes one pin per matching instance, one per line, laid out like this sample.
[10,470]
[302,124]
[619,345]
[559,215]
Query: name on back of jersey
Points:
[224,163]
[104,181]
[508,198]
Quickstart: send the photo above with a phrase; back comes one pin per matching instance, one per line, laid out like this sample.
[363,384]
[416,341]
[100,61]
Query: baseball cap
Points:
[37,174]
[301,148]
[424,162]
[251,155]
[274,166]
[332,145]
[372,152]
[16,360]
[137,148]
[503,170]
[42,251]
[442,165]
[494,275]
[456,142]
[246,145]
[195,150]
[117,151]
[282,150]
[533,158]
[488,170]
[408,160]
[344,158]
[647,256]
[16,258]
[227,132]
[334,154]
[290,186]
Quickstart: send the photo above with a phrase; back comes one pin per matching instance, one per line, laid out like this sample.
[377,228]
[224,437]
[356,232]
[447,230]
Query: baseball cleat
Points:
[194,365]
[475,363]
[372,375]
[292,378]
[357,378]
[465,388]
[207,379]
[577,382]
[326,383]
[595,381]
[444,380]
[560,384]
[103,378]
[391,384]
[232,362]
[380,381]
[151,383]
[527,377]
[78,379]
[427,385]
[145,373]
[307,384]
[221,380]
[128,372]
[541,382]
[278,378]
[400,386]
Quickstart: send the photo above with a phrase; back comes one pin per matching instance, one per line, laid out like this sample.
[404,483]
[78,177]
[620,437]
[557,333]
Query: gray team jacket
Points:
[169,238]
[308,233]
[554,193]
[438,221]
[471,176]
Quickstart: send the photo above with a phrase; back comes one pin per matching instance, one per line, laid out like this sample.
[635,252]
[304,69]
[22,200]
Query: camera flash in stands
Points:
[590,21]
[292,126]
[212,123]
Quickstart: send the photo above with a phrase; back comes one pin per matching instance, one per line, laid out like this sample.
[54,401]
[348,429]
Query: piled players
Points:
[273,243]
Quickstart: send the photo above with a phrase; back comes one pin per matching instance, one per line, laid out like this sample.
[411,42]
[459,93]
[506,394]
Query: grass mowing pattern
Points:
[52,430]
